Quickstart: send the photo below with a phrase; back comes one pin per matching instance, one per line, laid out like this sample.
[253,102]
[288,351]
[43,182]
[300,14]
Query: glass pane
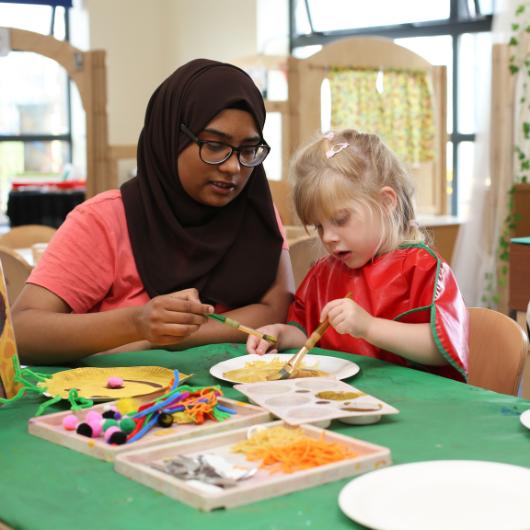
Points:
[31,17]
[325,106]
[272,133]
[301,21]
[466,162]
[486,7]
[449,166]
[330,15]
[474,73]
[33,91]
[30,162]
[436,50]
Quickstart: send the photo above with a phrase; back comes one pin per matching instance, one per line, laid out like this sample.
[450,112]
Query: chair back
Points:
[16,271]
[26,235]
[304,252]
[497,351]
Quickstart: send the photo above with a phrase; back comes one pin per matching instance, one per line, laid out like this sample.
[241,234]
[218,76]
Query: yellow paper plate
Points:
[91,383]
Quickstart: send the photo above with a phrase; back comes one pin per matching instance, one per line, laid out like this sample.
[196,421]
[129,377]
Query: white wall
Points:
[146,41]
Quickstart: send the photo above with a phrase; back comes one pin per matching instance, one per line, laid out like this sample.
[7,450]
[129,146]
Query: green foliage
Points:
[499,279]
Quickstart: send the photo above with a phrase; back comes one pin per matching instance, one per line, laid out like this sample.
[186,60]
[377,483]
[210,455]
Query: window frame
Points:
[460,21]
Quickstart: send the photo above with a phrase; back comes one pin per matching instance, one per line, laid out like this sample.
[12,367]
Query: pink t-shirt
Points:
[90,264]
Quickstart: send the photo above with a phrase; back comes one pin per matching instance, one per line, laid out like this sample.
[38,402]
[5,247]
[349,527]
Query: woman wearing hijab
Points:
[194,232]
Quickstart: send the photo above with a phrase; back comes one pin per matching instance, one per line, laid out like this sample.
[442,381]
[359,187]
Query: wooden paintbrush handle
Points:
[256,333]
[319,331]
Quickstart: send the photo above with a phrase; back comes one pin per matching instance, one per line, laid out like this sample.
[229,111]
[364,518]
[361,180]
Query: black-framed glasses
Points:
[215,153]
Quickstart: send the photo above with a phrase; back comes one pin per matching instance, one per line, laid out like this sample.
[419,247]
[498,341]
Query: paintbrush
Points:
[292,364]
[245,329]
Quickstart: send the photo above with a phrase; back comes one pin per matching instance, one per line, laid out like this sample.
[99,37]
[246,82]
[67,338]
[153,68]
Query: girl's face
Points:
[218,185]
[352,235]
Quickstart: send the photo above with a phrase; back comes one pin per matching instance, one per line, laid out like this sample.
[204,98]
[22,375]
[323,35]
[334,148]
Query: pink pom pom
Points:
[93,415]
[114,382]
[97,427]
[109,432]
[70,422]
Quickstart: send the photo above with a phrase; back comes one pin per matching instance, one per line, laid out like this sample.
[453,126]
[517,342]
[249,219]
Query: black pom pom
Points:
[118,438]
[84,429]
[109,414]
[165,419]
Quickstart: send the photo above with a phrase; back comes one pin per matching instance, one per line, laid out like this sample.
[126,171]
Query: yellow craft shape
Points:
[91,383]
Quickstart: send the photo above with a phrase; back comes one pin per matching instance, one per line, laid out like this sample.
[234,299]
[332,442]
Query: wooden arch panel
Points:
[305,80]
[87,71]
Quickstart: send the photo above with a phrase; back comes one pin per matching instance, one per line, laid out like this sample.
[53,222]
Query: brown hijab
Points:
[230,254]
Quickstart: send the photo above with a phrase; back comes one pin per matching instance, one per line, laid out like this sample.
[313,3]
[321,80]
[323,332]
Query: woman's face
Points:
[218,185]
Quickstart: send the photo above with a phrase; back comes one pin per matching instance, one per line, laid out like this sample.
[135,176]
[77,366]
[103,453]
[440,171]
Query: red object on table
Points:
[62,185]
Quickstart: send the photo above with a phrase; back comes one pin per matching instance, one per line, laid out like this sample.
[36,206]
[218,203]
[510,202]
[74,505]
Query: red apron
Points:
[411,284]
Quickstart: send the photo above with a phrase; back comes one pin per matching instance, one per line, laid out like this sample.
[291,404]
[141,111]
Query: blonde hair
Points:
[346,167]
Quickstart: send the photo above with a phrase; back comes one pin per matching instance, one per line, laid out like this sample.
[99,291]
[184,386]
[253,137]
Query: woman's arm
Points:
[411,341]
[47,332]
[270,309]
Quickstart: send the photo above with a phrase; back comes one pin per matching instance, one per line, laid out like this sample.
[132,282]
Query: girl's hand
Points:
[261,346]
[167,319]
[346,316]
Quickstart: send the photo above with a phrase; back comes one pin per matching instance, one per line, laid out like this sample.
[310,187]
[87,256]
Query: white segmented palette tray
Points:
[296,401]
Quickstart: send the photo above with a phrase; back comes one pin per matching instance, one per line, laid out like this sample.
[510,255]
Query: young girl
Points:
[405,305]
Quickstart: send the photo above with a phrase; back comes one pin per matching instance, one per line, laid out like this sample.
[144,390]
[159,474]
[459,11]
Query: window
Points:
[450,32]
[35,118]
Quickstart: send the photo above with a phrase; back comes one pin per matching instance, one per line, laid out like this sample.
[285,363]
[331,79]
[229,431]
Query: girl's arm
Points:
[47,332]
[271,308]
[411,341]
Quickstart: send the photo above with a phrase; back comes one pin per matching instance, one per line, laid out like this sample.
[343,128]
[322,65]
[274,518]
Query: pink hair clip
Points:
[336,148]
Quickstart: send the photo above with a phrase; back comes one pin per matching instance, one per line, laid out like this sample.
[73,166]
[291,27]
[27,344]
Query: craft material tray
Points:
[262,485]
[50,428]
[298,401]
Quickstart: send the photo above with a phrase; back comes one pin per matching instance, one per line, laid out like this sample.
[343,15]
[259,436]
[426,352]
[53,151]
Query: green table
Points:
[46,486]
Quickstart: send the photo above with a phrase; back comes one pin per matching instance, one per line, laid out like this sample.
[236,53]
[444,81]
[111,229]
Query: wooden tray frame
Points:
[50,428]
[263,485]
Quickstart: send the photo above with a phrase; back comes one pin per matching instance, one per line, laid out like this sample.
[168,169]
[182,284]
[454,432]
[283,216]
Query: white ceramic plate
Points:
[339,368]
[441,495]
[525,418]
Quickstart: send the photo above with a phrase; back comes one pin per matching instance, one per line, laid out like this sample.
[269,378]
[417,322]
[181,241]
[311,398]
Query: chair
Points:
[497,351]
[16,271]
[304,252]
[26,235]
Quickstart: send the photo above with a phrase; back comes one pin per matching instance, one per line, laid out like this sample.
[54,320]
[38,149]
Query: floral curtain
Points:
[395,104]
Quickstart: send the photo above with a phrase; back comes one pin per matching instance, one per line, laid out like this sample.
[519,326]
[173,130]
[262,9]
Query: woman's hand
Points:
[288,337]
[169,318]
[346,316]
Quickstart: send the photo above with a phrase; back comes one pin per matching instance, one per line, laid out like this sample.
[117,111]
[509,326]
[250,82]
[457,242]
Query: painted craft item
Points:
[256,371]
[106,384]
[261,365]
[9,362]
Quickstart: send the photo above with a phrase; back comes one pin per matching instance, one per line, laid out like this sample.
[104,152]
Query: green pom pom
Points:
[127,425]
[109,423]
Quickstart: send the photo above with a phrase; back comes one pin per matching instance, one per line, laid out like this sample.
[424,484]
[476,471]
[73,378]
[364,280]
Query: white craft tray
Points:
[296,401]
[263,485]
[50,428]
